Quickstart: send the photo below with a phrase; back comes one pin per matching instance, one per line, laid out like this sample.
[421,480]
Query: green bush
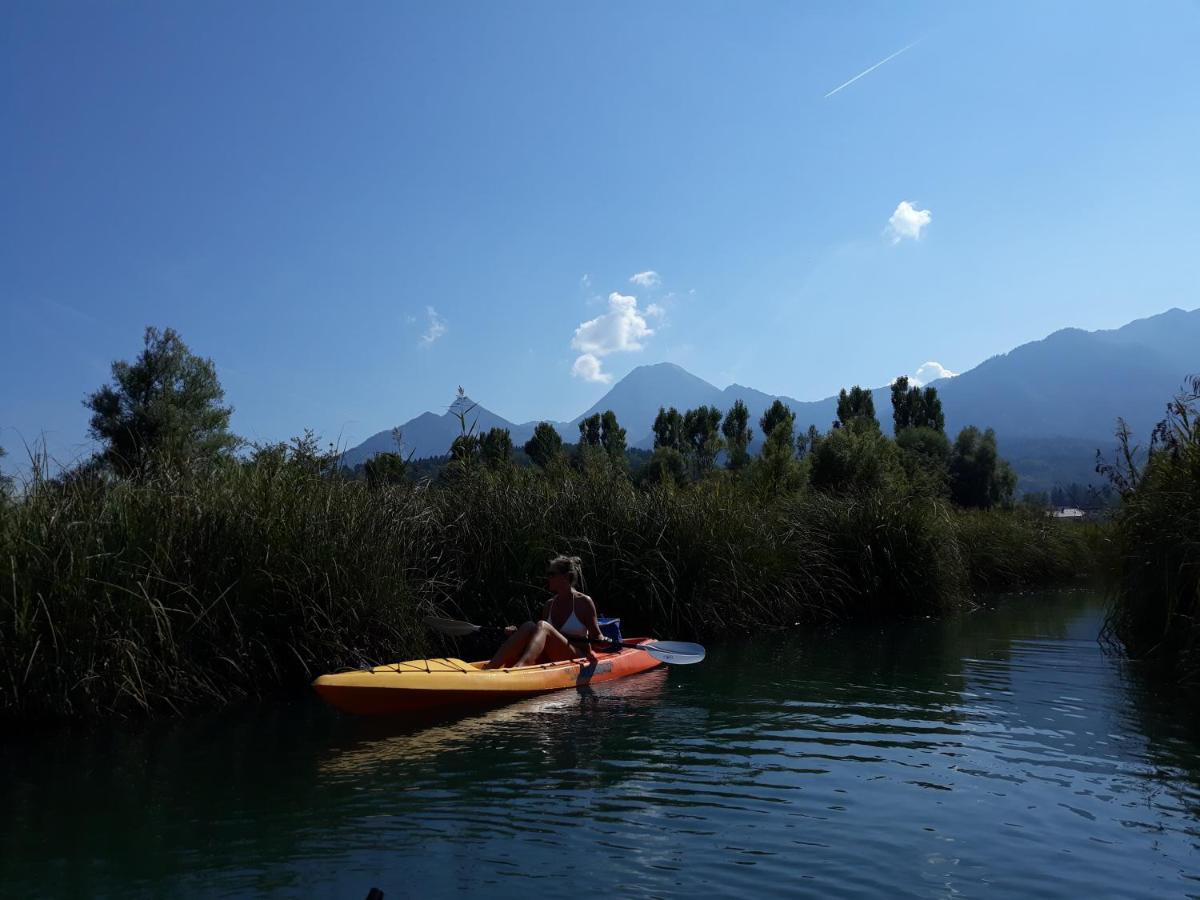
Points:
[1156,537]
[856,456]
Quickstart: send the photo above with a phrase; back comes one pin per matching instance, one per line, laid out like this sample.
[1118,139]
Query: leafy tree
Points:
[385,468]
[612,439]
[856,404]
[163,409]
[738,436]
[775,470]
[901,411]
[602,440]
[913,407]
[702,437]
[931,409]
[546,445]
[497,448]
[668,429]
[978,476]
[666,466]
[301,455]
[590,431]
[807,441]
[856,456]
[925,456]
[777,413]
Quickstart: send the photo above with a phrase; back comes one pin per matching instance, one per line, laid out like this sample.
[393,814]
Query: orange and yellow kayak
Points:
[427,684]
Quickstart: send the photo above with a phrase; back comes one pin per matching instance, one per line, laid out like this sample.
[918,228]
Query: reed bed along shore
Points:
[127,597]
[1155,568]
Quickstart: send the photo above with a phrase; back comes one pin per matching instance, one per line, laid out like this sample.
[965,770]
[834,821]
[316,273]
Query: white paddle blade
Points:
[452,627]
[678,653]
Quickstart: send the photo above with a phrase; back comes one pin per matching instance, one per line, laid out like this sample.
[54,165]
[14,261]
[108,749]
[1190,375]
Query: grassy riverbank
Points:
[1156,536]
[161,593]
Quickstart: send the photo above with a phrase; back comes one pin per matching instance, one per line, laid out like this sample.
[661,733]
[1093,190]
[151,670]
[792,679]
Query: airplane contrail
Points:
[872,69]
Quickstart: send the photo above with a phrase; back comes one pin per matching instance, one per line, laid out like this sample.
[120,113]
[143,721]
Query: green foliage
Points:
[1036,501]
[1083,496]
[855,457]
[898,553]
[6,482]
[385,469]
[666,466]
[1009,549]
[161,411]
[807,441]
[545,447]
[127,596]
[913,407]
[589,431]
[778,413]
[856,405]
[925,457]
[702,438]
[612,439]
[496,448]
[464,450]
[979,478]
[668,430]
[1156,564]
[602,441]
[738,436]
[776,472]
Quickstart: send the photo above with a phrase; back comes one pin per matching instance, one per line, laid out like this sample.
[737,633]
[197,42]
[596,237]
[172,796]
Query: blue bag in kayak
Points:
[611,629]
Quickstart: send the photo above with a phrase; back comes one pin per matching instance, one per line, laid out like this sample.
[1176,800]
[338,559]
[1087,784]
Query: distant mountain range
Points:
[1052,402]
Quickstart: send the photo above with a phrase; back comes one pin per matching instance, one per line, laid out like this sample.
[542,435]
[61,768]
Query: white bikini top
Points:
[573,625]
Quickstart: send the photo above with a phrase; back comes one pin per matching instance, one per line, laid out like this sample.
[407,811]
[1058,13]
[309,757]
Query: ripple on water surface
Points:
[998,753]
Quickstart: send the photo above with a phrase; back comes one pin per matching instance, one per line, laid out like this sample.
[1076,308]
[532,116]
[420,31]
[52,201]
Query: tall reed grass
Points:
[124,597]
[1156,537]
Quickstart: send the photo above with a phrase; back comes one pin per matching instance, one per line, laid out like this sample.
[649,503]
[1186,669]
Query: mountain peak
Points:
[461,404]
[660,368]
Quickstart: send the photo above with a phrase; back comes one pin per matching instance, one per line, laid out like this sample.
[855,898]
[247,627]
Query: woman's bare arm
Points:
[589,619]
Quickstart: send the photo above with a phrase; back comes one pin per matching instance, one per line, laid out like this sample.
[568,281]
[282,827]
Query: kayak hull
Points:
[424,685]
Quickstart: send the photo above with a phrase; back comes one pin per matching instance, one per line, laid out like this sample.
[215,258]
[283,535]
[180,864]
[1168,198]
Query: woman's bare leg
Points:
[546,645]
[512,648]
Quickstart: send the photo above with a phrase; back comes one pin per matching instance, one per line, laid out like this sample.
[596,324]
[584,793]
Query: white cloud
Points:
[620,330]
[907,222]
[585,281]
[588,368]
[655,310]
[930,371]
[437,327]
[648,279]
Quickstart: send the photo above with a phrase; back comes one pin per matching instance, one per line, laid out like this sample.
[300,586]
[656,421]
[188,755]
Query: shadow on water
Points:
[1000,749]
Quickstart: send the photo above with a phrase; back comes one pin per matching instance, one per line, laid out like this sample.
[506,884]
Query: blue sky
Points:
[355,208]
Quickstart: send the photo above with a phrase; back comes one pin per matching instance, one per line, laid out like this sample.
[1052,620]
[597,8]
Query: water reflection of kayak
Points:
[423,685]
[381,742]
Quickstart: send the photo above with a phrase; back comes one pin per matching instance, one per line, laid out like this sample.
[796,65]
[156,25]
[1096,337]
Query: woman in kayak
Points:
[568,620]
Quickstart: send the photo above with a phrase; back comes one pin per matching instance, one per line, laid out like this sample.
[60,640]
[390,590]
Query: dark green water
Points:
[999,754]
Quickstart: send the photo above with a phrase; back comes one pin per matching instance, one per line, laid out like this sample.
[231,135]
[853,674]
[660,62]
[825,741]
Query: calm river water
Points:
[1000,753]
